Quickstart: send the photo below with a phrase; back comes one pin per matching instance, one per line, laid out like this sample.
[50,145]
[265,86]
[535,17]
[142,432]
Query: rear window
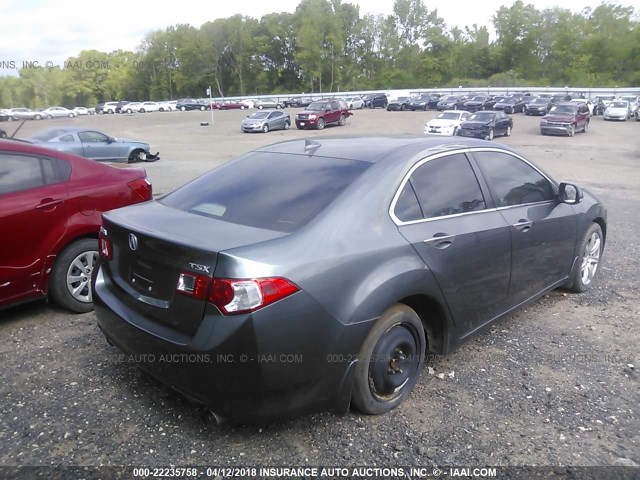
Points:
[268,190]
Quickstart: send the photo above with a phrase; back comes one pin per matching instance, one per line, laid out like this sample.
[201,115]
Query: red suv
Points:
[566,118]
[51,205]
[320,113]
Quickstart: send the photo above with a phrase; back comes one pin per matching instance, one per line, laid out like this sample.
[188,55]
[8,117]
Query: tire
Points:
[109,111]
[161,109]
[141,110]
[490,135]
[278,106]
[71,115]
[135,156]
[38,117]
[72,271]
[287,124]
[343,121]
[242,107]
[586,127]
[203,108]
[260,107]
[390,361]
[265,128]
[590,250]
[3,134]
[508,132]
[320,124]
[129,110]
[572,131]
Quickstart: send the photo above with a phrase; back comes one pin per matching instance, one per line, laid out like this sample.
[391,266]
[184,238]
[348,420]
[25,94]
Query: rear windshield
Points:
[268,190]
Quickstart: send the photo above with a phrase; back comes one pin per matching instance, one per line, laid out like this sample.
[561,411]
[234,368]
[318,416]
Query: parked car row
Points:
[22,113]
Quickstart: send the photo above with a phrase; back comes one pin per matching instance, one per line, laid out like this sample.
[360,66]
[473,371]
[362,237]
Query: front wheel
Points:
[390,361]
[489,136]
[137,156]
[320,124]
[203,108]
[184,109]
[508,133]
[265,128]
[590,250]
[586,127]
[572,130]
[260,107]
[70,282]
[242,107]
[38,117]
[287,124]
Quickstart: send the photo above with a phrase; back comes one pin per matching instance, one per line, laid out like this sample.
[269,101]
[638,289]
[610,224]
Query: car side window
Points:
[447,186]
[407,208]
[67,138]
[512,181]
[23,172]
[92,137]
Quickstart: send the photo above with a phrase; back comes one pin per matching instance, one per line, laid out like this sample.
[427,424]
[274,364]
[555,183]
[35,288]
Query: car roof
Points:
[370,149]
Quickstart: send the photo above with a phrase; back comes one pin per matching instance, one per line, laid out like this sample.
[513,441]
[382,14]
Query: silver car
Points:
[94,145]
[53,112]
[26,114]
[267,103]
[266,120]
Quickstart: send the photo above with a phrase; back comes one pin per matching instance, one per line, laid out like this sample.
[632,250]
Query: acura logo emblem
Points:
[133,242]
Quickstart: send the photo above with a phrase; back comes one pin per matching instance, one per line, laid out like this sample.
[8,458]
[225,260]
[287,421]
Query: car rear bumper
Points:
[287,359]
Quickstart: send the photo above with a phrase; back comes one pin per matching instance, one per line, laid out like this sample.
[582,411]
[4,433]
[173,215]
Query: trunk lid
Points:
[153,244]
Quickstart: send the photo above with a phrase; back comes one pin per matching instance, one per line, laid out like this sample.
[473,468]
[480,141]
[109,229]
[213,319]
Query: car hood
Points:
[253,121]
[558,118]
[476,125]
[443,123]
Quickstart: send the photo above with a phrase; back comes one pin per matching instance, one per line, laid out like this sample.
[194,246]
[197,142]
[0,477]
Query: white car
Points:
[634,103]
[148,107]
[59,112]
[446,123]
[167,106]
[618,110]
[354,103]
[110,107]
[81,111]
[130,107]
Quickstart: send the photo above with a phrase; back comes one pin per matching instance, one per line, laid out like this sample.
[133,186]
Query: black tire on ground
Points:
[490,135]
[586,127]
[590,252]
[38,117]
[203,108]
[134,156]
[72,270]
[343,121]
[390,361]
[508,133]
[572,131]
[183,108]
[142,110]
[320,124]
[287,124]
[265,128]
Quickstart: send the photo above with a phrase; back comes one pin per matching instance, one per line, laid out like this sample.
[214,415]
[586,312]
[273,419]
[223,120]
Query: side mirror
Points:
[569,193]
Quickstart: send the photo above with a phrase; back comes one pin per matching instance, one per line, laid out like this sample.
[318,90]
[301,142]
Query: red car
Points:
[231,104]
[51,204]
[323,112]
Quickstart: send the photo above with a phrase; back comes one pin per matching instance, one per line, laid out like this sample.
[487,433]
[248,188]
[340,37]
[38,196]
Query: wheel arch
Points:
[434,319]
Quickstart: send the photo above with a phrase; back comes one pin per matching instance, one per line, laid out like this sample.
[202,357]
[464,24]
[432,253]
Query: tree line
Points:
[327,46]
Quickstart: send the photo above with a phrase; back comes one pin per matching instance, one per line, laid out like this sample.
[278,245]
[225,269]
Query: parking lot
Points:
[556,383]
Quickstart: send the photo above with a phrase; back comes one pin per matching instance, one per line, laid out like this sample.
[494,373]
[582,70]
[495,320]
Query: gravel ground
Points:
[556,383]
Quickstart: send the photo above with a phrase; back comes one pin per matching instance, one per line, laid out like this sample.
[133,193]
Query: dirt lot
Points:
[554,384]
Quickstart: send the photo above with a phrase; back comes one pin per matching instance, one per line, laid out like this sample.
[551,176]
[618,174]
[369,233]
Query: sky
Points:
[49,32]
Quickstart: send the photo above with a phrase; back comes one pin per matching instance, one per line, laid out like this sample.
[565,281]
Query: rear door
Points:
[33,218]
[334,114]
[542,229]
[463,241]
[97,146]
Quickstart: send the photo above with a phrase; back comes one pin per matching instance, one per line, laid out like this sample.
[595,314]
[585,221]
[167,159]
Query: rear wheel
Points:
[591,251]
[260,107]
[203,108]
[70,281]
[71,115]
[320,124]
[38,117]
[183,108]
[343,121]
[142,110]
[287,124]
[242,107]
[586,127]
[390,361]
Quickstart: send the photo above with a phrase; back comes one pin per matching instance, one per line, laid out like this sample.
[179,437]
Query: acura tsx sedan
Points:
[315,275]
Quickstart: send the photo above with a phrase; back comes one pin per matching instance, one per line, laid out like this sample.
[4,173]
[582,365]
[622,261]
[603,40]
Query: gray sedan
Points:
[94,145]
[317,274]
[26,114]
[266,120]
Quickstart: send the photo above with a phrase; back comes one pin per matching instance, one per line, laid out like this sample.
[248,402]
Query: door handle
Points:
[440,240]
[523,225]
[49,204]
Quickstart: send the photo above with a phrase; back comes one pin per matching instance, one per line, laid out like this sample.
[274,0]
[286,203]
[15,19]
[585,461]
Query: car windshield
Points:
[316,107]
[508,99]
[448,116]
[619,104]
[479,99]
[564,110]
[268,190]
[450,99]
[48,134]
[482,117]
[401,99]
[540,101]
[259,115]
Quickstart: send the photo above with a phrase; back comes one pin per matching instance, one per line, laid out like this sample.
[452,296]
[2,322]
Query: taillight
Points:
[233,296]
[142,187]
[193,285]
[106,249]
[241,296]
